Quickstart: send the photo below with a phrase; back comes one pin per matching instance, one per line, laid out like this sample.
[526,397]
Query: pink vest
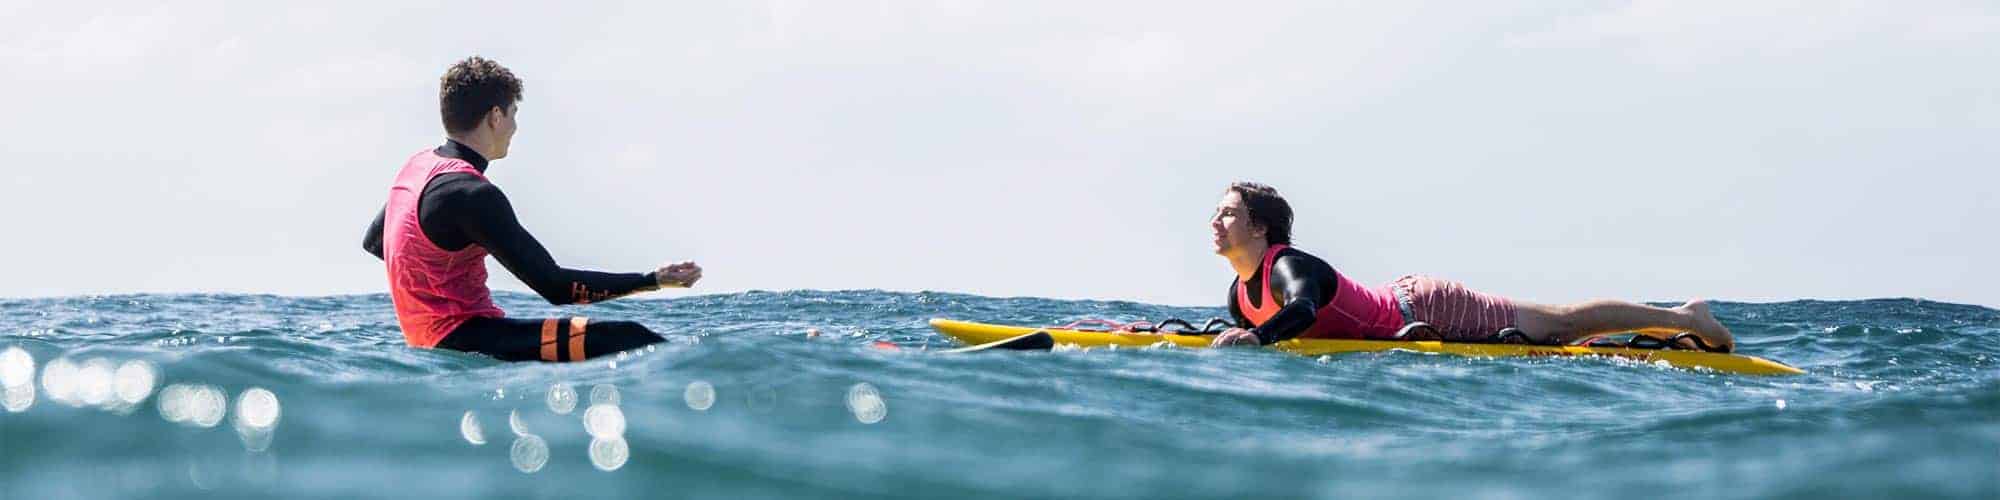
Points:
[1355,312]
[434,290]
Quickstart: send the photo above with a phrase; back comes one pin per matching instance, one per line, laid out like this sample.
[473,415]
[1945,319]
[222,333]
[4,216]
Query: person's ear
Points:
[493,117]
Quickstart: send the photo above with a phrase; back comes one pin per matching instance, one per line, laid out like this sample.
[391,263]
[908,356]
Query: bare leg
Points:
[1567,323]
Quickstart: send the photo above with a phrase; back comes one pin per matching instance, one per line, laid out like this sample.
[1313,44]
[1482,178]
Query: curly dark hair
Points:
[1268,209]
[471,88]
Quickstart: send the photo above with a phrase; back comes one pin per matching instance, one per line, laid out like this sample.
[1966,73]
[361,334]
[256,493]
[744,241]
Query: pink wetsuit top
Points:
[1355,312]
[434,290]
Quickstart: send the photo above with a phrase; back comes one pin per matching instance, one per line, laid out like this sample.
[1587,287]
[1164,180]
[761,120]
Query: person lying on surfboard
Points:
[444,217]
[1281,292]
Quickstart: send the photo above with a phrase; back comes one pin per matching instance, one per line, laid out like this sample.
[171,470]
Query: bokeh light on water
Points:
[97,382]
[608,454]
[515,424]
[133,383]
[604,394]
[120,388]
[197,405]
[17,367]
[258,408]
[529,453]
[59,381]
[603,421]
[700,396]
[93,382]
[208,406]
[172,403]
[17,379]
[866,403]
[468,427]
[18,399]
[257,414]
[562,399]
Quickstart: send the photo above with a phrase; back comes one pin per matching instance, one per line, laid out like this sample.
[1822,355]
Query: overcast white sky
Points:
[1550,151]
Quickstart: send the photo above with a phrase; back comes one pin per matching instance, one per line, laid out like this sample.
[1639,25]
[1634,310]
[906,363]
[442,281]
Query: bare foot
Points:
[1707,326]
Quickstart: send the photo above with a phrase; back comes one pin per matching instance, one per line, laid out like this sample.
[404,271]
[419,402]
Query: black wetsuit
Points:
[458,210]
[1303,283]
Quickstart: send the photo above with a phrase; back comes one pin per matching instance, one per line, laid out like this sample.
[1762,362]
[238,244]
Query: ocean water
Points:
[200,396]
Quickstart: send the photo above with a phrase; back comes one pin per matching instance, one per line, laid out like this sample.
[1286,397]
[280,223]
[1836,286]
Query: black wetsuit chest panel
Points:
[1300,281]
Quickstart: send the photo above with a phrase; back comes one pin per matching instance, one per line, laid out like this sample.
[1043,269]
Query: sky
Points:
[1549,151]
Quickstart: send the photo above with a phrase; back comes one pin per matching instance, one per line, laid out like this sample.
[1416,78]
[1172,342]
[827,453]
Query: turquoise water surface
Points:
[198,396]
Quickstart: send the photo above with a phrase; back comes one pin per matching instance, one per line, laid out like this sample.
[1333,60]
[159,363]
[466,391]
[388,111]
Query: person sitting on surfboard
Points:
[1281,292]
[444,217]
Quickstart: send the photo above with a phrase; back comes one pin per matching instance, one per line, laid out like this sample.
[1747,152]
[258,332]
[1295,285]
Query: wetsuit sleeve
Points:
[1236,313]
[371,241]
[1303,298]
[488,220]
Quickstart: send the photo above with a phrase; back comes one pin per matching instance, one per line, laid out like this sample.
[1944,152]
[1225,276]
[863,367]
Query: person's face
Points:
[502,121]
[1231,225]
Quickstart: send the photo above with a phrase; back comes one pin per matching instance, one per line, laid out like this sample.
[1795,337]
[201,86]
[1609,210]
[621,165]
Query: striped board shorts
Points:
[1458,313]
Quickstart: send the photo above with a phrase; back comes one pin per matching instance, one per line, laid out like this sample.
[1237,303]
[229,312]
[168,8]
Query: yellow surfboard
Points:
[980,333]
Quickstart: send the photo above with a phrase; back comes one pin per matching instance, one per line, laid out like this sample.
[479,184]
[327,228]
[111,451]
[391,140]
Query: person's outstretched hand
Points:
[678,275]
